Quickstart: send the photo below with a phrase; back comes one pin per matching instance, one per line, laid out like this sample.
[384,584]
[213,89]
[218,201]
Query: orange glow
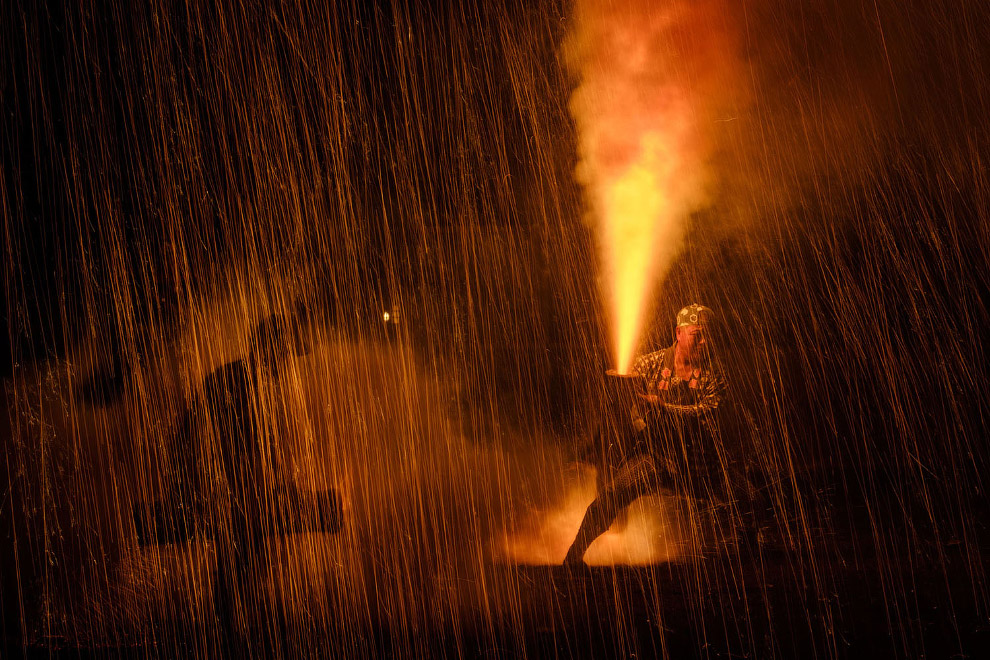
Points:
[656,530]
[636,208]
[652,75]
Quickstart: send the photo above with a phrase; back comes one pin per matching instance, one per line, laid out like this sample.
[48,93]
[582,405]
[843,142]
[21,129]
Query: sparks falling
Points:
[651,77]
[395,180]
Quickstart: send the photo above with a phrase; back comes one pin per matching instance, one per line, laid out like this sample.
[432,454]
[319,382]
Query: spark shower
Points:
[653,77]
[469,212]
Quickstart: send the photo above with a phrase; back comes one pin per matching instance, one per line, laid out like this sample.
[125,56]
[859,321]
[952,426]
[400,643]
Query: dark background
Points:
[423,154]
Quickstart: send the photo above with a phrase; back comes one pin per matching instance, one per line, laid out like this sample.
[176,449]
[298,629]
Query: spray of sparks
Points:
[173,173]
[651,76]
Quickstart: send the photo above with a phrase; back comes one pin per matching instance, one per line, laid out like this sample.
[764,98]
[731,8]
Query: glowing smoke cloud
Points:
[652,76]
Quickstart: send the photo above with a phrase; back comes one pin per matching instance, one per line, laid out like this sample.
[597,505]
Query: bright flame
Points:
[652,74]
[636,207]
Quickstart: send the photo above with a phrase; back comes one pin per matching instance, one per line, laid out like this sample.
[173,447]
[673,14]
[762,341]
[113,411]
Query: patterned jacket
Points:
[697,397]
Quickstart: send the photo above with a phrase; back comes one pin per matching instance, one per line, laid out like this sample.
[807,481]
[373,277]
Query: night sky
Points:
[172,173]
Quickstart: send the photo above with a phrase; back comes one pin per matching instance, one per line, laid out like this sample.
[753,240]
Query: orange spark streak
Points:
[650,76]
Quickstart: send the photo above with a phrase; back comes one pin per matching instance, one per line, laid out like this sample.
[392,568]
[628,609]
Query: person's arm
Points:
[710,397]
[648,366]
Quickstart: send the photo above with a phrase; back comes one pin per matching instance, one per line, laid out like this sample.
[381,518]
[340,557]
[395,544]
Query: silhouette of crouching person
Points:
[232,486]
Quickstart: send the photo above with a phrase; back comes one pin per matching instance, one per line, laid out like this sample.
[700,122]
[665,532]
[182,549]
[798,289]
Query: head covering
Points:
[694,314]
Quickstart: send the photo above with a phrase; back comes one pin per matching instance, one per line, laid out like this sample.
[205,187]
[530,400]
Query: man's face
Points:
[693,340]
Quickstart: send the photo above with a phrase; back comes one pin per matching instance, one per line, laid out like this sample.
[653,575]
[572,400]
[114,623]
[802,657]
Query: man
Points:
[681,393]
[257,500]
[231,481]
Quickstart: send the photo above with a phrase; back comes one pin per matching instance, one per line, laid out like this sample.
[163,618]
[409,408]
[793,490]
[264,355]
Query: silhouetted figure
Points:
[674,445]
[247,496]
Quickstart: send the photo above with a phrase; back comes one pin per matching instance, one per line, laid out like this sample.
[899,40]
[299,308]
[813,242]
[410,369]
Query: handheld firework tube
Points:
[621,418]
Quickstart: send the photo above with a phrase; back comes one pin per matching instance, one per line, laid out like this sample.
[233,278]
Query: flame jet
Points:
[652,78]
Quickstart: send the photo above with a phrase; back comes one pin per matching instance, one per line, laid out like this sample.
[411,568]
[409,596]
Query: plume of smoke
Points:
[653,77]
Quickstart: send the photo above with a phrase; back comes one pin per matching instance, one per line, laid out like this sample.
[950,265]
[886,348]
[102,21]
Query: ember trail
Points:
[488,330]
